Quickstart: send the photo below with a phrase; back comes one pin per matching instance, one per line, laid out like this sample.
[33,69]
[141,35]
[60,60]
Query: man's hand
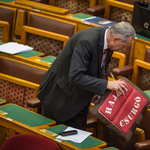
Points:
[119,86]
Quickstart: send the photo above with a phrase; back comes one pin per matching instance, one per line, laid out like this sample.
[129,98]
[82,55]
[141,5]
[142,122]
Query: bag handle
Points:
[144,4]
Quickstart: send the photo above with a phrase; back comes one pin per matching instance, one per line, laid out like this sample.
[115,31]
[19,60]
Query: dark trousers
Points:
[78,121]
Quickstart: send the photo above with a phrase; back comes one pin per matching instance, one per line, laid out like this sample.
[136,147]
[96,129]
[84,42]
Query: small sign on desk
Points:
[46,60]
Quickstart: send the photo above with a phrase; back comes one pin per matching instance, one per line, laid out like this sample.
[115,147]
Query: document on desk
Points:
[99,21]
[78,138]
[14,48]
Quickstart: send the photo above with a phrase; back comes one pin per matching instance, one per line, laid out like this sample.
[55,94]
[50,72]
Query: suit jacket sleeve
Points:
[78,74]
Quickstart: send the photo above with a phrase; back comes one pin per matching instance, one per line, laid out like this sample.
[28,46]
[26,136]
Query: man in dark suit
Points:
[76,74]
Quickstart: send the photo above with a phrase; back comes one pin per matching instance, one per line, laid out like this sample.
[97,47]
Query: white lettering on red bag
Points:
[112,103]
[123,110]
[133,112]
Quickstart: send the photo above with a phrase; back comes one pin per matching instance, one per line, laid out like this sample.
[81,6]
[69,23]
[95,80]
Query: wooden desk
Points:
[7,1]
[2,102]
[147,92]
[24,56]
[25,9]
[117,4]
[37,60]
[90,143]
[46,61]
[16,119]
[80,24]
[43,7]
[32,57]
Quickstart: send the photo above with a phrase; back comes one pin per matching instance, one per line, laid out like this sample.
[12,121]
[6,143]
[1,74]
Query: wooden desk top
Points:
[90,143]
[2,101]
[44,7]
[24,116]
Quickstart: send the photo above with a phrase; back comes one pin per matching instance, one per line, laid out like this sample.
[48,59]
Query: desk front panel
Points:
[15,119]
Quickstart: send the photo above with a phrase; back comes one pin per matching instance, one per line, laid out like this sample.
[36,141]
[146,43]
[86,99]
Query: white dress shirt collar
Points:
[105,40]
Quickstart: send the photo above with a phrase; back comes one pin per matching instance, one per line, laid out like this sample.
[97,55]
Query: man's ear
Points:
[116,38]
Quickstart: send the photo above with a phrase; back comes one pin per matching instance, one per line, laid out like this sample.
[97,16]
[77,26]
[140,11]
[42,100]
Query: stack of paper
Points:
[78,138]
[14,48]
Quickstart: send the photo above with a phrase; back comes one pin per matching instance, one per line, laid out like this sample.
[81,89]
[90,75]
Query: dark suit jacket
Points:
[76,75]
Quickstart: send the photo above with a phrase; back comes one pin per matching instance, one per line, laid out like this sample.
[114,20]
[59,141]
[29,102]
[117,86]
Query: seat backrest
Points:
[141,72]
[52,24]
[144,81]
[115,140]
[145,124]
[43,41]
[118,14]
[4,31]
[29,142]
[138,49]
[119,11]
[43,7]
[117,60]
[75,6]
[8,14]
[17,91]
[19,81]
[102,2]
[21,70]
[147,54]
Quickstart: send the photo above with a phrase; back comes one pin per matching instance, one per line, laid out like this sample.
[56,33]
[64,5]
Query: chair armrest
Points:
[142,145]
[92,122]
[124,70]
[96,10]
[34,103]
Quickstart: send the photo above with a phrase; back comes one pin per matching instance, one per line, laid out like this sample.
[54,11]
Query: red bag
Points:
[122,114]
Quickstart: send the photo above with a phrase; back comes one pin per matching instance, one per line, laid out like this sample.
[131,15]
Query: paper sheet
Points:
[78,138]
[14,48]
